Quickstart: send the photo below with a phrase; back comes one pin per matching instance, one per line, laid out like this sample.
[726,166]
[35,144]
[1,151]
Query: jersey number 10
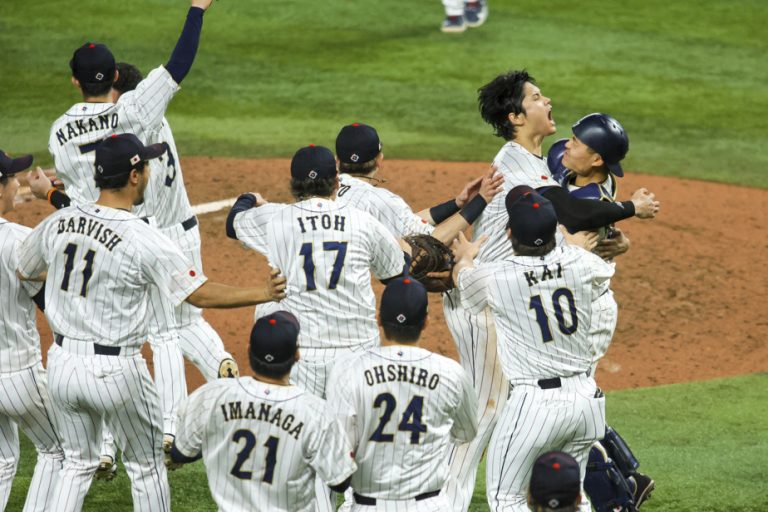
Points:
[542,319]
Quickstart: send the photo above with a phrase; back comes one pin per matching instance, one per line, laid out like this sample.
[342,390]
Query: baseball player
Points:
[360,159]
[588,165]
[556,315]
[262,439]
[460,14]
[98,261]
[173,331]
[24,398]
[403,406]
[522,115]
[326,251]
[555,484]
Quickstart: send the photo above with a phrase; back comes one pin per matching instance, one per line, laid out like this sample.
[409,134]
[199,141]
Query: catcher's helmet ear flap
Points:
[606,136]
[555,160]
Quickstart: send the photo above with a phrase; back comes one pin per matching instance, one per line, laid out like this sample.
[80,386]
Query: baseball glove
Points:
[431,262]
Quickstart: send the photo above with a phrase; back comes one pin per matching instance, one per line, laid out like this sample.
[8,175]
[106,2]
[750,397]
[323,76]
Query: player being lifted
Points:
[403,406]
[98,261]
[262,439]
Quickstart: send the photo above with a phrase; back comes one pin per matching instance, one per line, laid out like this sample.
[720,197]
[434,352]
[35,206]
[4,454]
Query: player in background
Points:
[24,398]
[460,14]
[403,407]
[556,315]
[360,159]
[98,261]
[262,439]
[326,251]
[173,331]
[555,484]
[519,113]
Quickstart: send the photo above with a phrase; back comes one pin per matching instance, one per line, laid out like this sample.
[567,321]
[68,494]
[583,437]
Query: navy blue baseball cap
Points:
[404,303]
[606,136]
[10,166]
[120,154]
[313,163]
[357,143]
[532,217]
[93,63]
[274,338]
[555,480]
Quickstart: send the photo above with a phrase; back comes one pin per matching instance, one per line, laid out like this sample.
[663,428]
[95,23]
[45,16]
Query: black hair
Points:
[303,189]
[271,370]
[402,333]
[128,77]
[4,180]
[119,181]
[531,250]
[503,96]
[92,90]
[358,168]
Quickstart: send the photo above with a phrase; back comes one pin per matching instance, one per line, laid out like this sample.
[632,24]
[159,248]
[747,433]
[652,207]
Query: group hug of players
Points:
[343,398]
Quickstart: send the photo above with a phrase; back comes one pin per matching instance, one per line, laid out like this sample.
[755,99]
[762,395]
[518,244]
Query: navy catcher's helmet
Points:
[555,161]
[606,136]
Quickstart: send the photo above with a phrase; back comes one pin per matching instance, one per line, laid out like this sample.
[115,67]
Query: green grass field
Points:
[687,79]
[704,443]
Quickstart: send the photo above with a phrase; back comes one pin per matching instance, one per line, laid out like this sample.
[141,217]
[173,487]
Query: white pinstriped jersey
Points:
[100,262]
[519,167]
[555,315]
[165,198]
[326,252]
[19,339]
[263,444]
[403,407]
[75,135]
[385,206]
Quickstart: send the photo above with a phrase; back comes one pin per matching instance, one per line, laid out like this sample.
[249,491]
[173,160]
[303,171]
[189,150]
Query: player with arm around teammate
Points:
[327,252]
[360,158]
[555,315]
[24,398]
[403,407]
[262,439]
[98,261]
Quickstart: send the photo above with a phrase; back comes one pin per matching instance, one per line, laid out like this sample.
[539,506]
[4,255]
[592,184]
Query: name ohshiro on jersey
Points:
[402,407]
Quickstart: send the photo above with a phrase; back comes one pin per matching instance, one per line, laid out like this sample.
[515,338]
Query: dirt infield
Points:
[691,291]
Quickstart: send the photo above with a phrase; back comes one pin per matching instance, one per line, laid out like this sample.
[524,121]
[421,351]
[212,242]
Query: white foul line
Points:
[214,206]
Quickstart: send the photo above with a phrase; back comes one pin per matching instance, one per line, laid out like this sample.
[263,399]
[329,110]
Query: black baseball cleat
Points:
[643,485]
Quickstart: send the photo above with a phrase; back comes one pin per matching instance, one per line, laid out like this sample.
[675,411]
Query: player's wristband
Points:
[58,199]
[444,210]
[473,209]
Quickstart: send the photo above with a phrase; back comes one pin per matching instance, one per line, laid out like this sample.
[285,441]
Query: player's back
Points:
[19,340]
[385,206]
[76,134]
[546,311]
[409,405]
[327,252]
[99,262]
[262,444]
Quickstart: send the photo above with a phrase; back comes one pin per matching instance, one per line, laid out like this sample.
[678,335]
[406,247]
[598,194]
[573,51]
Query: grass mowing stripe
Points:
[686,78]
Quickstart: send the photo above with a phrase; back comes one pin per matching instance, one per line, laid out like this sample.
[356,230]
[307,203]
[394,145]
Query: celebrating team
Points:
[333,407]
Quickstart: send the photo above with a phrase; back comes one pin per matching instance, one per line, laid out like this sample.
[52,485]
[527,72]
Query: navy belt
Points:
[187,224]
[365,500]
[99,350]
[550,383]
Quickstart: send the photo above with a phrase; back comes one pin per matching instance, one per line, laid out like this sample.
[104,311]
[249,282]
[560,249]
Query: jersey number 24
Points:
[409,422]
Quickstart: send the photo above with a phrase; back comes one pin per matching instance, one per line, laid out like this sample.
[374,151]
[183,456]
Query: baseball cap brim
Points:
[18,164]
[616,169]
[152,151]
